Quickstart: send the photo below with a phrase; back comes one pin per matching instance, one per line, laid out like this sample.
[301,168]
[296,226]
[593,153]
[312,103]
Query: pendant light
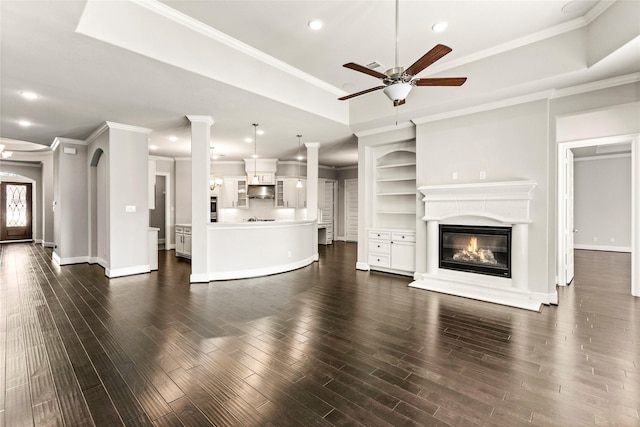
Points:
[255,179]
[299,183]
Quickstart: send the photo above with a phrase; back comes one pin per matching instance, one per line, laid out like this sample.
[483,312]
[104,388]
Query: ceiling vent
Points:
[375,64]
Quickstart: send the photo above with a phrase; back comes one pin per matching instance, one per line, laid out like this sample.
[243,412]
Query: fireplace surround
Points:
[486,204]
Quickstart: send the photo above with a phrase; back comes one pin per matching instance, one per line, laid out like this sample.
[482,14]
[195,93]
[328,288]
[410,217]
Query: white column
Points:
[433,231]
[312,179]
[519,256]
[200,165]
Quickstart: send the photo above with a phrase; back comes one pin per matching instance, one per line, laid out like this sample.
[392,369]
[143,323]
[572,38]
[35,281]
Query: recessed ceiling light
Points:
[248,140]
[255,156]
[153,147]
[24,123]
[260,132]
[439,26]
[173,138]
[315,24]
[299,158]
[29,95]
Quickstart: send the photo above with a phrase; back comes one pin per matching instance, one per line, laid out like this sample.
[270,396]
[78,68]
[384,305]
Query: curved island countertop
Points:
[250,249]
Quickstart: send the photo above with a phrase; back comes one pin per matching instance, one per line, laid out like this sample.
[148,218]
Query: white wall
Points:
[602,202]
[71,196]
[183,191]
[508,144]
[129,186]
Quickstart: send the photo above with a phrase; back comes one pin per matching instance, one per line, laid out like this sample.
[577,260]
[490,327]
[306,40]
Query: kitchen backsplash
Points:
[263,209]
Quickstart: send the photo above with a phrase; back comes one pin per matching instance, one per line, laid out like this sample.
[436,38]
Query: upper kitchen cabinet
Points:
[288,195]
[234,192]
[263,169]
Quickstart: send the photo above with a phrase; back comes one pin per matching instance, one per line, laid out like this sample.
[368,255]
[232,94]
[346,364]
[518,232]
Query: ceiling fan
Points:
[399,81]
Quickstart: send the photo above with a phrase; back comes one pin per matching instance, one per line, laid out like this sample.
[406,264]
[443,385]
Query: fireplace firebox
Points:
[476,249]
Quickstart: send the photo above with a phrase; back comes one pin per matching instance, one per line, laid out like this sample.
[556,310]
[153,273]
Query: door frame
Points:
[34,211]
[168,233]
[346,210]
[634,139]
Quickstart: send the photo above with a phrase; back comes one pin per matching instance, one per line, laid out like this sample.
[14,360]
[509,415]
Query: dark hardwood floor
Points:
[323,345]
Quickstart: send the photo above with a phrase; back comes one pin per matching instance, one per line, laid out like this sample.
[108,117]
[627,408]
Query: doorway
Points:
[16,211]
[157,216]
[565,206]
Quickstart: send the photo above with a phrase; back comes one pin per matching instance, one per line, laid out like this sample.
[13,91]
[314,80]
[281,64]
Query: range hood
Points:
[261,191]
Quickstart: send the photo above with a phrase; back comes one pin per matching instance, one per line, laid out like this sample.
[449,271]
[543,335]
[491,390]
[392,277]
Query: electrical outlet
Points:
[454,175]
[612,240]
[483,175]
[129,209]
[595,239]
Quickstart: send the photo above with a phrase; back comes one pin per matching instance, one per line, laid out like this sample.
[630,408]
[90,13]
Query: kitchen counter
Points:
[250,249]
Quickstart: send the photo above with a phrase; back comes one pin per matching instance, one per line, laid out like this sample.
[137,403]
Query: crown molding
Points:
[384,129]
[170,159]
[536,96]
[182,159]
[212,33]
[205,119]
[228,162]
[58,140]
[597,10]
[346,168]
[130,128]
[597,85]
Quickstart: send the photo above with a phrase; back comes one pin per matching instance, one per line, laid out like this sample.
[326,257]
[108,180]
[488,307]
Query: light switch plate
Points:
[129,208]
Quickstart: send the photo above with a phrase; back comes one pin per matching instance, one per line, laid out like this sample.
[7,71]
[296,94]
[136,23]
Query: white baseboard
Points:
[170,246]
[69,260]
[161,241]
[242,274]
[47,244]
[362,266]
[603,248]
[520,298]
[341,239]
[127,271]
[96,260]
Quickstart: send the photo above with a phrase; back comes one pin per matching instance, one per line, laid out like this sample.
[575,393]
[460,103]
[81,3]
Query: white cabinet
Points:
[288,195]
[234,193]
[263,178]
[392,250]
[183,241]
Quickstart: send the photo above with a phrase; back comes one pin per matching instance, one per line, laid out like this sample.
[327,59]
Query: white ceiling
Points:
[88,68]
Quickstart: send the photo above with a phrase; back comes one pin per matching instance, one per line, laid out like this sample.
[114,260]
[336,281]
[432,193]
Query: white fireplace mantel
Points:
[505,203]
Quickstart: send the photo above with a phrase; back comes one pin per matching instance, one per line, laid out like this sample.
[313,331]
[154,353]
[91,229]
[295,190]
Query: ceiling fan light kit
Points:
[398,81]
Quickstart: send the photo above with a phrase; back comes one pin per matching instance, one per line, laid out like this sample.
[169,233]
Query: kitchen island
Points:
[250,249]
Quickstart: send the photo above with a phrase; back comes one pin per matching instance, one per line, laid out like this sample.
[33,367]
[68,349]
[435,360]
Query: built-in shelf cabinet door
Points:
[280,193]
[234,193]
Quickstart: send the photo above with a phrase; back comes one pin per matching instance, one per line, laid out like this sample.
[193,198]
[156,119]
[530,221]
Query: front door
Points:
[15,211]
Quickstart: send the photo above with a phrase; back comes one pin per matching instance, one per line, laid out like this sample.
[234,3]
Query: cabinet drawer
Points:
[379,260]
[380,246]
[379,234]
[187,230]
[179,230]
[403,237]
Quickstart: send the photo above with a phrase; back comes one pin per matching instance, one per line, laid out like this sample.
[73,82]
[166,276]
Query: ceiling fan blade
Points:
[399,102]
[444,81]
[363,69]
[361,92]
[437,52]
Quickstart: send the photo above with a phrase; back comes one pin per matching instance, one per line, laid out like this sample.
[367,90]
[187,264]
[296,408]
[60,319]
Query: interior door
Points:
[351,210]
[569,225]
[15,211]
